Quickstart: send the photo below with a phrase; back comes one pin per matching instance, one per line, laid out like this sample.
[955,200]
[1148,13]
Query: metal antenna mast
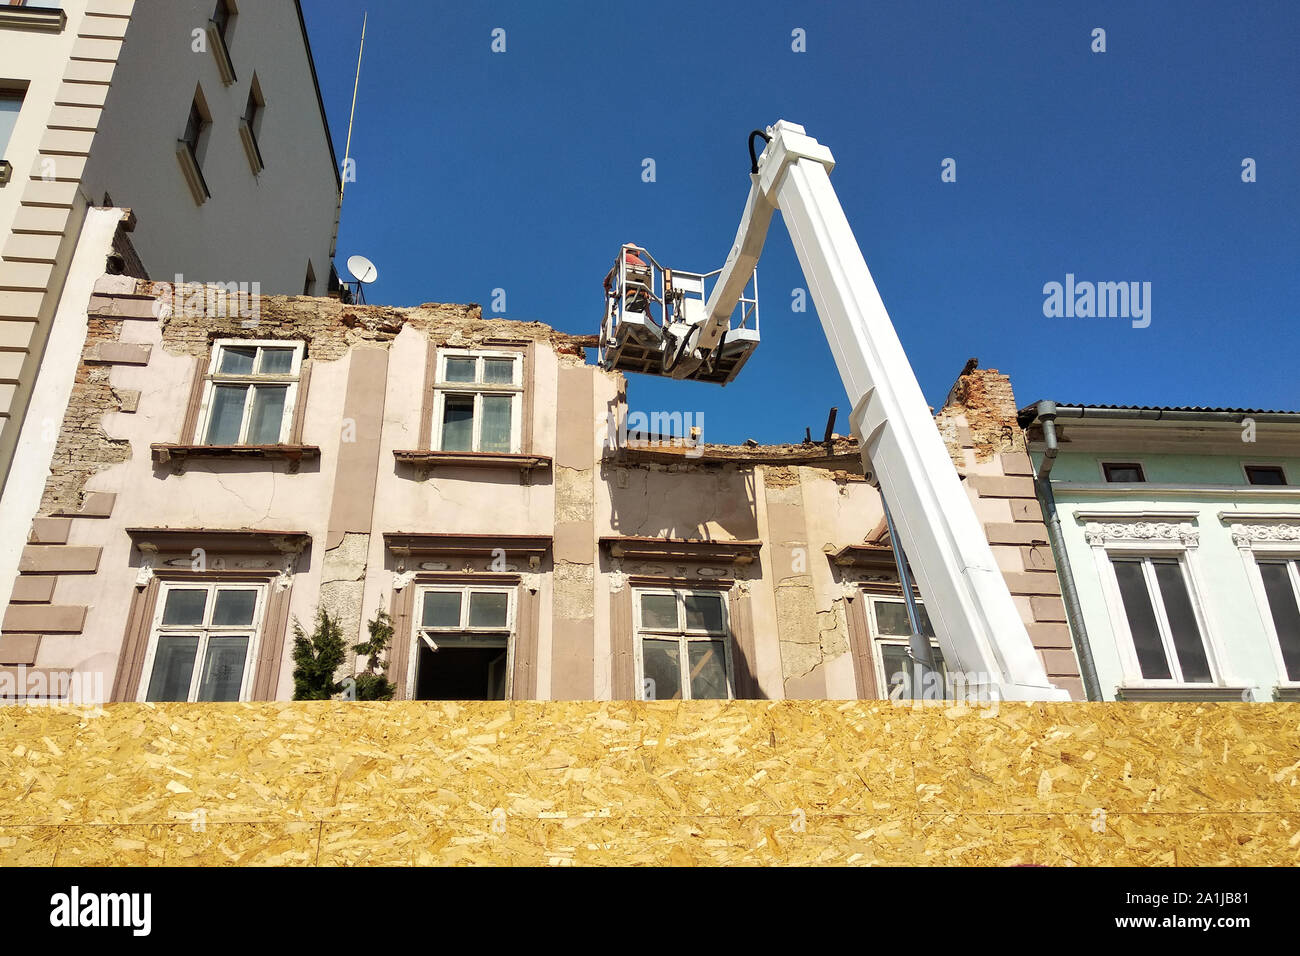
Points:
[347,151]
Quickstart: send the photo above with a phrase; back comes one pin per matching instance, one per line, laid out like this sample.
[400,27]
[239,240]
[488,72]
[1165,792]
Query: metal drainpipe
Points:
[1073,612]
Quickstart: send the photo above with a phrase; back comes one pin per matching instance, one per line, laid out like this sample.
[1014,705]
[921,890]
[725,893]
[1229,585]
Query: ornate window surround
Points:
[1266,534]
[1155,534]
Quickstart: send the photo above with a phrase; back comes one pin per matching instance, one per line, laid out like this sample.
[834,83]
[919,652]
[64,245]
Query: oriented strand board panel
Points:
[741,782]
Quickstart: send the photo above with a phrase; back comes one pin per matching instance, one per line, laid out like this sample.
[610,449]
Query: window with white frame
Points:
[251,391]
[478,402]
[1166,634]
[203,642]
[683,645]
[1281,579]
[891,635]
[463,643]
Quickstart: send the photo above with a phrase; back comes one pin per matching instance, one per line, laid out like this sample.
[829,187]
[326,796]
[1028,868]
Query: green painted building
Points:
[1176,533]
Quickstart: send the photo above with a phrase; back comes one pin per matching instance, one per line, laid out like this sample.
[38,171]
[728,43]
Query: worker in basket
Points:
[636,299]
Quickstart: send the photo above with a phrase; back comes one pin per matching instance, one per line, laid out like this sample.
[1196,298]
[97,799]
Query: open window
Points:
[463,643]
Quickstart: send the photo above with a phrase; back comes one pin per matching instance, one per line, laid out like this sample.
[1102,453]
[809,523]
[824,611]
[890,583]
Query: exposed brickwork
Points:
[983,398]
[83,448]
[978,420]
[331,328]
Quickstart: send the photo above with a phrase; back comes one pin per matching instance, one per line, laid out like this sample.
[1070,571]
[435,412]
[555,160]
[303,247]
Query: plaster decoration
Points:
[617,581]
[402,579]
[533,582]
[434,566]
[145,574]
[1102,533]
[284,580]
[1246,535]
[742,587]
[710,572]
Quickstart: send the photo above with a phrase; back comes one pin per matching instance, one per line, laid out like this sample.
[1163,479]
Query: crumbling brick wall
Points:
[329,327]
[981,401]
[82,448]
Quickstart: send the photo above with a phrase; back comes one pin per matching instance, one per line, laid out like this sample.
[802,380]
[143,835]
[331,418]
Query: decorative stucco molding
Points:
[1245,536]
[1102,533]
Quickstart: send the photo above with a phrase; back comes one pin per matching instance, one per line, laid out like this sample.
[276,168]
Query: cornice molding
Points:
[1246,536]
[1102,533]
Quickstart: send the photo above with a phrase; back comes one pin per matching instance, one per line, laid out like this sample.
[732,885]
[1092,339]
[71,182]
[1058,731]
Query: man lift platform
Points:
[704,326]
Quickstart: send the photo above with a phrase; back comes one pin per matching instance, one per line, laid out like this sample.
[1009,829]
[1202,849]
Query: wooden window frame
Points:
[683,634]
[204,632]
[442,389]
[460,633]
[273,627]
[293,380]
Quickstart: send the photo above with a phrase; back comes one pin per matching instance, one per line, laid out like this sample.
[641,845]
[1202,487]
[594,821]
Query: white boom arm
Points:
[975,619]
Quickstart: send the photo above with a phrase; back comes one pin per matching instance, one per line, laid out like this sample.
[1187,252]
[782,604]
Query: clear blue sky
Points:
[522,171]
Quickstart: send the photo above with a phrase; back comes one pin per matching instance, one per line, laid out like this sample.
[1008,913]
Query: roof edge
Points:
[320,100]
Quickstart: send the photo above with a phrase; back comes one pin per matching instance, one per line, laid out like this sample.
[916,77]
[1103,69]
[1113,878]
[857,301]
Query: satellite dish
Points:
[362,269]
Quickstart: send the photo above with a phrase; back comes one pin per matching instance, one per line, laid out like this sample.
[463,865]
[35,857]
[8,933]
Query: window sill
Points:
[178,455]
[1287,692]
[425,461]
[193,175]
[251,149]
[34,18]
[1187,692]
[221,54]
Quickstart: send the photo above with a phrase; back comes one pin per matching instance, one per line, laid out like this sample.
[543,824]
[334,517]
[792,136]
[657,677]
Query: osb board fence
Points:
[744,782]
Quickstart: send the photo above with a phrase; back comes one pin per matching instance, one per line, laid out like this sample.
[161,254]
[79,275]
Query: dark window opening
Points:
[1265,475]
[309,284]
[1123,471]
[461,673]
[195,127]
[1282,588]
[222,17]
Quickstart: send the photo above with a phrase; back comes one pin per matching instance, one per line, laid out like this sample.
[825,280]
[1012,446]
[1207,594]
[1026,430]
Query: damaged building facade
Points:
[220,475]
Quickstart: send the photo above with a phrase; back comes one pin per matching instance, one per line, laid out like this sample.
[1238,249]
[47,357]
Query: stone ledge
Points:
[118,353]
[177,455]
[58,559]
[425,461]
[19,649]
[33,589]
[45,618]
[96,504]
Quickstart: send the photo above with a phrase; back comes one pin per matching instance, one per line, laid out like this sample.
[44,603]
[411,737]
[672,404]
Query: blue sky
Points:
[522,171]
